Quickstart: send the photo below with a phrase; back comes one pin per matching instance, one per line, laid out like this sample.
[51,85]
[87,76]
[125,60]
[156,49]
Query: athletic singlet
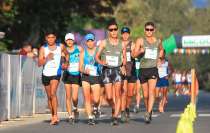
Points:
[178,77]
[130,62]
[112,54]
[189,78]
[183,78]
[150,57]
[52,67]
[163,69]
[128,52]
[91,64]
[73,68]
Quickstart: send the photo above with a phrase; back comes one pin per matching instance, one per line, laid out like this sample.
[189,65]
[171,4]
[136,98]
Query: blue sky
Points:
[201,3]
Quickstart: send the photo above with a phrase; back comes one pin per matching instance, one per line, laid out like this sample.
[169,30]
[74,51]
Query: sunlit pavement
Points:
[161,123]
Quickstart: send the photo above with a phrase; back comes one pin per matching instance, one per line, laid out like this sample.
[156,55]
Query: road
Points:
[162,123]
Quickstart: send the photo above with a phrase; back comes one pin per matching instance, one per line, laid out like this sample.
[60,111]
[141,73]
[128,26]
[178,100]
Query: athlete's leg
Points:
[47,89]
[138,95]
[117,87]
[54,87]
[165,95]
[109,94]
[96,91]
[75,88]
[145,88]
[152,84]
[87,96]
[131,87]
[68,89]
[124,95]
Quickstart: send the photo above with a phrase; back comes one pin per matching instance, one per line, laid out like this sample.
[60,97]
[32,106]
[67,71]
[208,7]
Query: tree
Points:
[35,17]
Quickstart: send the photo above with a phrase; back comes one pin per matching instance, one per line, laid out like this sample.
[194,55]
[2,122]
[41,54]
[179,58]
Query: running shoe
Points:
[147,118]
[76,115]
[71,121]
[96,113]
[136,109]
[91,122]
[150,115]
[114,122]
[127,110]
[123,116]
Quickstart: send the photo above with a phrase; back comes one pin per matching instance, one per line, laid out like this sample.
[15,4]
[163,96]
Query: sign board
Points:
[196,41]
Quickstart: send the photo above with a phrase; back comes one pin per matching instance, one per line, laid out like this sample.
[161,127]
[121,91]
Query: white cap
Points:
[69,36]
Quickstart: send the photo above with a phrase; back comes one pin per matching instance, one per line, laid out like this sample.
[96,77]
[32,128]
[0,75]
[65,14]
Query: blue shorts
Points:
[162,82]
[178,83]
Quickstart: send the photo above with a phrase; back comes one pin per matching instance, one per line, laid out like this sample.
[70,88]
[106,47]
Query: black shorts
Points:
[111,75]
[46,79]
[71,79]
[131,79]
[148,73]
[91,79]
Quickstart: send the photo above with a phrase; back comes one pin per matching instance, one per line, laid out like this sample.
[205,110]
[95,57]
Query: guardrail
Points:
[21,90]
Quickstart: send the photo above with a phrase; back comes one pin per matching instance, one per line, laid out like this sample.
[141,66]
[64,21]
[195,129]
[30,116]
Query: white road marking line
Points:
[155,115]
[204,115]
[175,115]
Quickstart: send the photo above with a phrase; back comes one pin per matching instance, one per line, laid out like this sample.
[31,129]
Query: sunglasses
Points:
[114,29]
[147,29]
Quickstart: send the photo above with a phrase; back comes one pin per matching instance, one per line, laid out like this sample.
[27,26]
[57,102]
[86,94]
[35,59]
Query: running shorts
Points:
[111,75]
[91,79]
[162,82]
[148,73]
[130,79]
[71,79]
[46,79]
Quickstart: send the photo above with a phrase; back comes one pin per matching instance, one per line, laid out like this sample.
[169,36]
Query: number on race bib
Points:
[112,61]
[73,67]
[92,70]
[128,55]
[137,65]
[151,53]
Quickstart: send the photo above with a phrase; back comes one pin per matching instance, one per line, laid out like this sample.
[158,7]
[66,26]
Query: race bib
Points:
[151,53]
[73,67]
[128,55]
[112,61]
[51,64]
[162,71]
[137,65]
[92,70]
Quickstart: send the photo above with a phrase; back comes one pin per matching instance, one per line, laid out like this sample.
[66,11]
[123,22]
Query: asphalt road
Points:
[162,123]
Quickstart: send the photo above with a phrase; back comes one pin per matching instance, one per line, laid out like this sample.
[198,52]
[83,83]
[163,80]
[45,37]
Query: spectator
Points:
[26,49]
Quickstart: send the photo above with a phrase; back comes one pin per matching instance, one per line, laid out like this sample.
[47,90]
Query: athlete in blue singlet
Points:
[91,79]
[71,77]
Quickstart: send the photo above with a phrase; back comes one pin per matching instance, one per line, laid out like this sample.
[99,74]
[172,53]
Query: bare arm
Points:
[124,55]
[132,48]
[138,48]
[81,61]
[41,59]
[64,50]
[98,54]
[161,53]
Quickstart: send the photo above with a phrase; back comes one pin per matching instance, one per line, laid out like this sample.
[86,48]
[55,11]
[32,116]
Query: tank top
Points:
[130,62]
[189,78]
[178,77]
[112,54]
[163,69]
[52,67]
[91,64]
[149,60]
[73,68]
